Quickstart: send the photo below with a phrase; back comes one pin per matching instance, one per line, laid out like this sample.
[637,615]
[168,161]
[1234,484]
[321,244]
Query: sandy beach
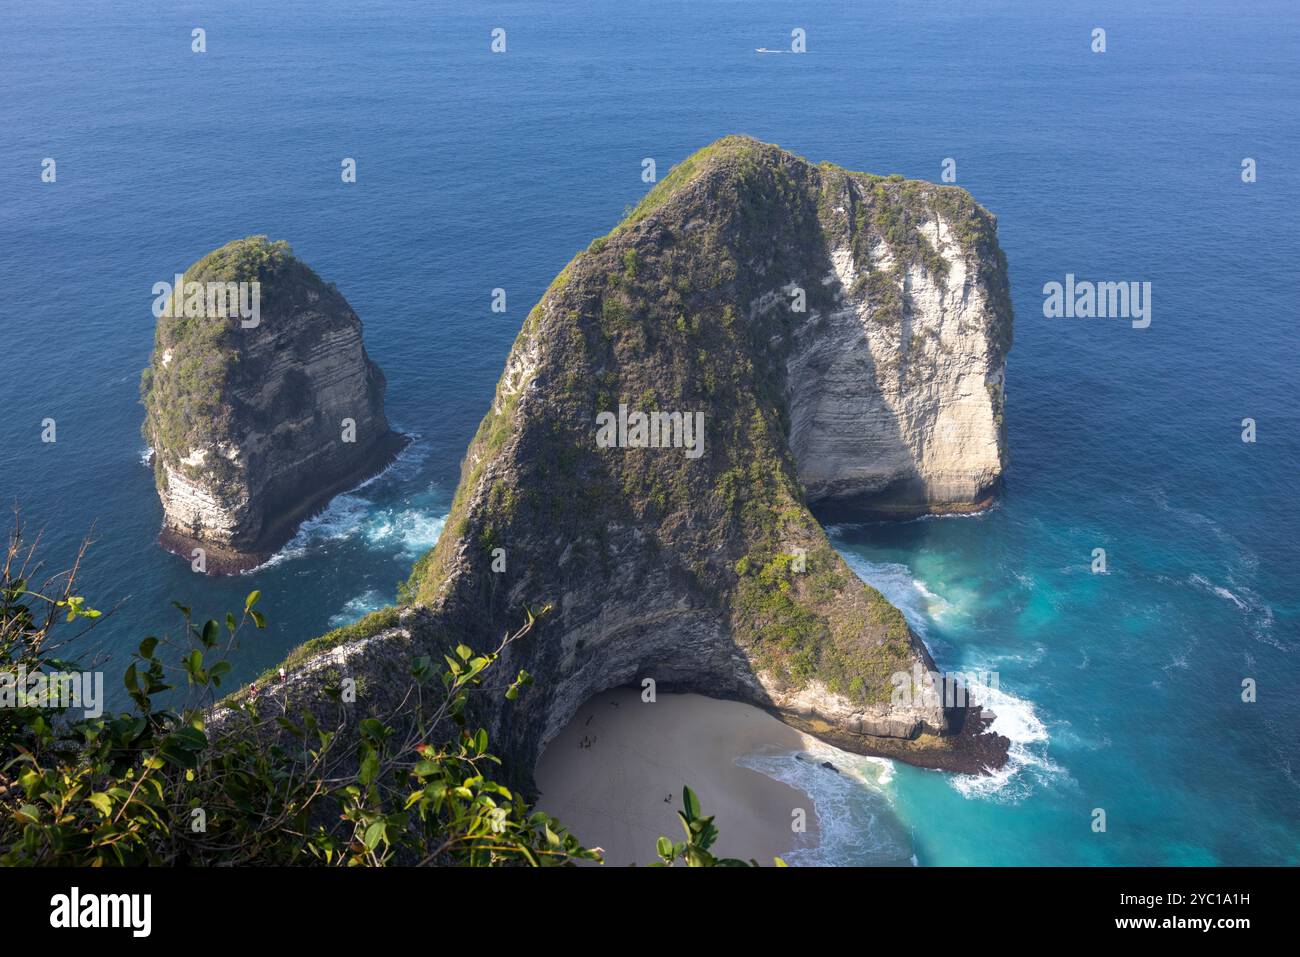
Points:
[614,776]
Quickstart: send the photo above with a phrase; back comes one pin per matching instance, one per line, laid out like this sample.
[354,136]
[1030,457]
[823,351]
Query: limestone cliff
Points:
[895,391]
[815,337]
[257,417]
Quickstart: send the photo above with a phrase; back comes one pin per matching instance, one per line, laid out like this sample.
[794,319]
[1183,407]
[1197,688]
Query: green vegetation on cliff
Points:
[185,388]
[659,315]
[365,627]
[168,783]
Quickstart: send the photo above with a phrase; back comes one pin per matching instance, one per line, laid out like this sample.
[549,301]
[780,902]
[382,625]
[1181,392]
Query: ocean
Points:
[475,171]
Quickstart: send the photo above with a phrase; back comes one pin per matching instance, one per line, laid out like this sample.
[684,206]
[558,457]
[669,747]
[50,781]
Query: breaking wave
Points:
[1017,719]
[408,528]
[855,820]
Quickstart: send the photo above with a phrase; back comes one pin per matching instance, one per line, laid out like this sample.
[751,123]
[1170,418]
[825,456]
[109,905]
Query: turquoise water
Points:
[1118,691]
[475,171]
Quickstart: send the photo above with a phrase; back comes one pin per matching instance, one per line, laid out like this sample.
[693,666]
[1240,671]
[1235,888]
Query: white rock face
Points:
[816,702]
[904,416]
[191,503]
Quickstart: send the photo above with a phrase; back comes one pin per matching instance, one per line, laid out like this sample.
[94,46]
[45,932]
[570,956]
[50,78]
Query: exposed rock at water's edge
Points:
[248,421]
[710,574]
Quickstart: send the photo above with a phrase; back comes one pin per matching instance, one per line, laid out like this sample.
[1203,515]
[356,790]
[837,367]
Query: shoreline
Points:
[226,561]
[614,776]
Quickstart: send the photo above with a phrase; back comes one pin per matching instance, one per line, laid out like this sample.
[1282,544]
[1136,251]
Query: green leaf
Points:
[698,857]
[691,803]
[190,739]
[369,769]
[374,834]
[102,803]
[251,600]
[664,847]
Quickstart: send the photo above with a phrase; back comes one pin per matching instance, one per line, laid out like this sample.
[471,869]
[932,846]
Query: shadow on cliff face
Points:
[705,573]
[700,567]
[852,457]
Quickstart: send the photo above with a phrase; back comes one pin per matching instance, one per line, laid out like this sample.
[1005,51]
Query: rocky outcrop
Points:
[812,336]
[896,404]
[261,403]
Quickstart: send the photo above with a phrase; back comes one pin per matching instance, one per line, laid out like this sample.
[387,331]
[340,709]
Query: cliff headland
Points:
[761,340]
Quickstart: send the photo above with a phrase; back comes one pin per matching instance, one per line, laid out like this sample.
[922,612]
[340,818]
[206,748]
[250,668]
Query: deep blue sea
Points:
[478,170]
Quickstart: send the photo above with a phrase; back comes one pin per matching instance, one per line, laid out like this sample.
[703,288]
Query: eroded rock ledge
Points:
[845,337]
[256,421]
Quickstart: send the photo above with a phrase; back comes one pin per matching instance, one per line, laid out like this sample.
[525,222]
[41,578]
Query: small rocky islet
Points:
[260,402]
[842,338]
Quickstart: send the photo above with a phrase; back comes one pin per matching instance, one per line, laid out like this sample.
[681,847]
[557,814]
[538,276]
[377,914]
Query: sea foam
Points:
[408,528]
[855,819]
[1017,719]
